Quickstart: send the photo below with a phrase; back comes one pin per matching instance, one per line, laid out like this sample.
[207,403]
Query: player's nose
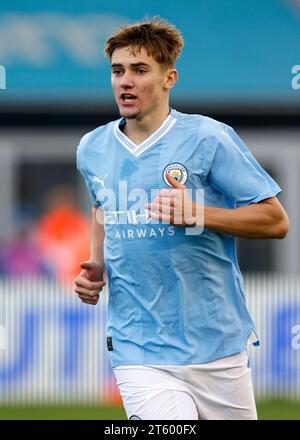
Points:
[126,80]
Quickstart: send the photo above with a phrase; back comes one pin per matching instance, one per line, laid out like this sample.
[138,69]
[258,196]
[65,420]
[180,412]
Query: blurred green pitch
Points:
[269,410]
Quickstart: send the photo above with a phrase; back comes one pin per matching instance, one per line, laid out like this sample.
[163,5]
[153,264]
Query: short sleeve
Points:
[81,166]
[232,170]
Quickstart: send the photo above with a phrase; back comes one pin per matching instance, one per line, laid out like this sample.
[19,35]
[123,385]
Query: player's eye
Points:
[141,71]
[117,71]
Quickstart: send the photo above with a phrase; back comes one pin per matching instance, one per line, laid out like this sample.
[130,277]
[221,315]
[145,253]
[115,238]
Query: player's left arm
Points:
[265,219]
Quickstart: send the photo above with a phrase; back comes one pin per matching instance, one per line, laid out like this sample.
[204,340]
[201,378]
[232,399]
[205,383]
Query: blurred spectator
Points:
[62,233]
[20,257]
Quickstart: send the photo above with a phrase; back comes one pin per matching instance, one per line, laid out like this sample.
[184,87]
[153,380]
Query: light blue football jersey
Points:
[174,298]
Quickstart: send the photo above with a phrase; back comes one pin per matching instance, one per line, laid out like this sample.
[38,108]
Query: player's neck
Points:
[138,130]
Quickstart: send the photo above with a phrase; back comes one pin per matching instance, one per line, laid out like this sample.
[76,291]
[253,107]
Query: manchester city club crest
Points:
[176,170]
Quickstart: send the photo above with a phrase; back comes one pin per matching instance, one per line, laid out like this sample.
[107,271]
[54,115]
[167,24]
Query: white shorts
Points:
[216,390]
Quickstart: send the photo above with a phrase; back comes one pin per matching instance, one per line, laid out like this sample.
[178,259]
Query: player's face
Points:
[138,82]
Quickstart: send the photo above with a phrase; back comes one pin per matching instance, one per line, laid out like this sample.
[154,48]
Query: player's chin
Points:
[128,113]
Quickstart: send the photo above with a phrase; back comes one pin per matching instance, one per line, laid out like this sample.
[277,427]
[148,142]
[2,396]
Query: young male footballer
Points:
[170,193]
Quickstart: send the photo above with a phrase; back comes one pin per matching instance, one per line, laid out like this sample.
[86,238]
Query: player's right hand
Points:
[89,283]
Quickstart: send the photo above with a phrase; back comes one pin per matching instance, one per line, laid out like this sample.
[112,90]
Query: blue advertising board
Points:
[53,347]
[235,52]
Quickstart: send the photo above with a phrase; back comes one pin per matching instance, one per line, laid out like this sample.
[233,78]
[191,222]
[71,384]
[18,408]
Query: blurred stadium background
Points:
[241,65]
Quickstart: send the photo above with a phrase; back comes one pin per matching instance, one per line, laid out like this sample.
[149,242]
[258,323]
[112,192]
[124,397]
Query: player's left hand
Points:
[173,206]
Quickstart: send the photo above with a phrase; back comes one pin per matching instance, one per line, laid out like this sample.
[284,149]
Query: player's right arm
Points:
[89,283]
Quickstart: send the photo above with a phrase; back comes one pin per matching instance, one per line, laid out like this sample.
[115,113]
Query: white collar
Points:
[138,149]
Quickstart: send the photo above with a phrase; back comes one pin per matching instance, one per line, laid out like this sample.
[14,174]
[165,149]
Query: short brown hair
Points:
[161,40]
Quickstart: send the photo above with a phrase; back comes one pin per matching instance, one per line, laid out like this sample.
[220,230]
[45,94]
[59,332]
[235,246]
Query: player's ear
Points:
[171,76]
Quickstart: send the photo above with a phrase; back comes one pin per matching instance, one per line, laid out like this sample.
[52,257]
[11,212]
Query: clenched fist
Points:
[89,283]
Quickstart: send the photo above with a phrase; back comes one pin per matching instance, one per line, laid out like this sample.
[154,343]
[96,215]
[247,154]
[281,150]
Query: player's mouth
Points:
[127,98]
